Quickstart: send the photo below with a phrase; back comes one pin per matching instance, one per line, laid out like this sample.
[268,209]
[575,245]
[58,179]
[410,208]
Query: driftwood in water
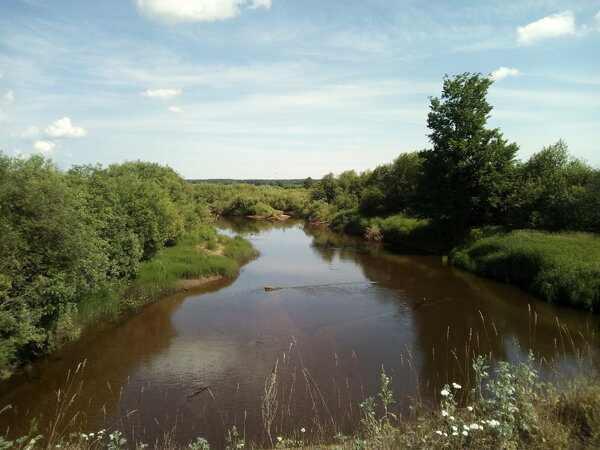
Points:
[272,288]
[276,288]
[199,391]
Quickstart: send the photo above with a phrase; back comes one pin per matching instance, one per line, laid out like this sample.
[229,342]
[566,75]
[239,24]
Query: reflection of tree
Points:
[111,354]
[456,315]
[243,226]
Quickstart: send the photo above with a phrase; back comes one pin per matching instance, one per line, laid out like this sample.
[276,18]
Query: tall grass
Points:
[396,229]
[559,267]
[199,254]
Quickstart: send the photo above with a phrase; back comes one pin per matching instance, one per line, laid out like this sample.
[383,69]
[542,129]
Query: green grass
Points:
[559,267]
[198,254]
[396,229]
[103,302]
[262,209]
[189,259]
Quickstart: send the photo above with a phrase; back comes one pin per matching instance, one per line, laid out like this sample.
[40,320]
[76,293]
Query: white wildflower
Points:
[451,417]
[445,392]
[454,428]
[302,430]
[444,413]
[469,408]
[279,438]
[438,432]
[474,426]
[455,433]
[456,386]
[464,433]
[493,423]
[445,434]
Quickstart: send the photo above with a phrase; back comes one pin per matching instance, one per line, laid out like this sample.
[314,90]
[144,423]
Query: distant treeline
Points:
[255,182]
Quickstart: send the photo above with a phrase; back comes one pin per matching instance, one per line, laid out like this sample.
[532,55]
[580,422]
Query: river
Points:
[196,363]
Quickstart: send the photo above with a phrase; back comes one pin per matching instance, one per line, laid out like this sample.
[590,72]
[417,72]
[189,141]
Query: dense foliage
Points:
[241,199]
[469,177]
[64,237]
[467,169]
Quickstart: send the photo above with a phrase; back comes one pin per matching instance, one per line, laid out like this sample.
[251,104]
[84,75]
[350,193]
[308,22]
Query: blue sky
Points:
[286,88]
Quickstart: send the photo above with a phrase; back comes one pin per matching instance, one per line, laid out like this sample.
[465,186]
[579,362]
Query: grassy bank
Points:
[397,229]
[201,255]
[558,267]
[562,268]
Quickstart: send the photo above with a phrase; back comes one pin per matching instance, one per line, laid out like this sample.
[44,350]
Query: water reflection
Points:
[196,364]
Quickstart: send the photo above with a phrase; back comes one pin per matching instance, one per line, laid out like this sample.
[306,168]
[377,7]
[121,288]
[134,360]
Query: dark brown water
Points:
[348,309]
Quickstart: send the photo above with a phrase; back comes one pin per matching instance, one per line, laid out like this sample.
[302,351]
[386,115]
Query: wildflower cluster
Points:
[500,416]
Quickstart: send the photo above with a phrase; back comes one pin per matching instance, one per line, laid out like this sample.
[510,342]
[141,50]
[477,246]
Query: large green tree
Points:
[466,174]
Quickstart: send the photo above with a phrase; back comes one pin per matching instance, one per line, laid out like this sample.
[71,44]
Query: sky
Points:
[286,88]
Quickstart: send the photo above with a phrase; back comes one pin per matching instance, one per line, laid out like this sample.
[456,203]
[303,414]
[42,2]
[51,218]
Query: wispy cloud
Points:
[10,97]
[162,94]
[504,72]
[555,25]
[180,11]
[175,109]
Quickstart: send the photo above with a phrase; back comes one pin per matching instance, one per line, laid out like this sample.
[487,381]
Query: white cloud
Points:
[163,94]
[10,97]
[64,129]
[3,117]
[504,72]
[559,24]
[179,11]
[44,146]
[175,109]
[597,19]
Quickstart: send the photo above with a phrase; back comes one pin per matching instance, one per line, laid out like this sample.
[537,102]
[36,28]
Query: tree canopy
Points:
[467,172]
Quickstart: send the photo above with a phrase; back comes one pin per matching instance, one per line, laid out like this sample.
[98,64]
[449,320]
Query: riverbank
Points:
[562,267]
[199,258]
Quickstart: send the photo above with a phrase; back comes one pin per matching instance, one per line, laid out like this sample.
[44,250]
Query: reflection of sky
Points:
[351,312]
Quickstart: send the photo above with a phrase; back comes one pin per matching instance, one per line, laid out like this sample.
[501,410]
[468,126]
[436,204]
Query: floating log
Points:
[272,288]
[199,391]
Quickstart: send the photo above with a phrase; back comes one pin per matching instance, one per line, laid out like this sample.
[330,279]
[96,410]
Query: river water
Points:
[198,363]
